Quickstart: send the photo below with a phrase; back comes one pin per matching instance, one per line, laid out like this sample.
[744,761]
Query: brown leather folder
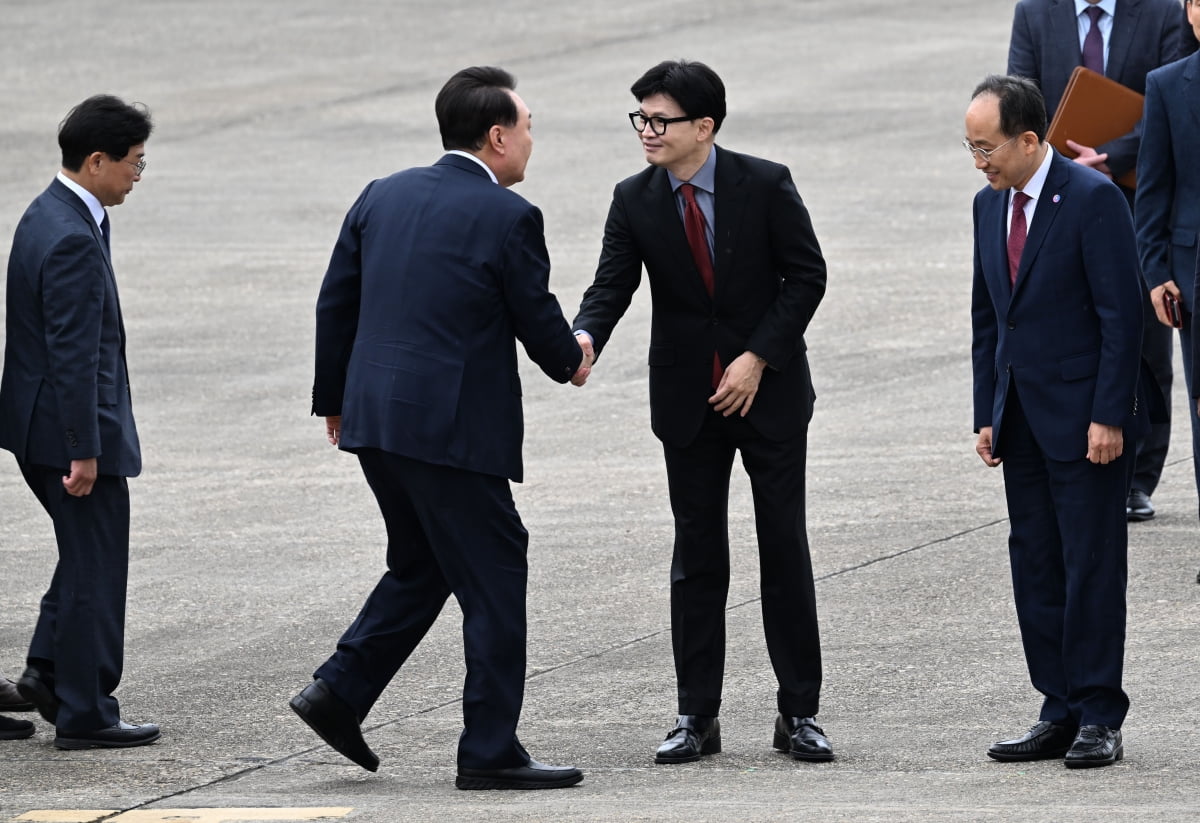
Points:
[1093,111]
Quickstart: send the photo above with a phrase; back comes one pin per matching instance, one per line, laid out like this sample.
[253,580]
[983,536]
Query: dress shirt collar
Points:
[1109,6]
[705,179]
[1034,187]
[482,164]
[86,196]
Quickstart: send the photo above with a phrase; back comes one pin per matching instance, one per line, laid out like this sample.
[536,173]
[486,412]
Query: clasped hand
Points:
[585,365]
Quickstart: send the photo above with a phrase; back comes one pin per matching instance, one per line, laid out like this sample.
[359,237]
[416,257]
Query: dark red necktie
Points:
[1093,43]
[1017,232]
[693,227]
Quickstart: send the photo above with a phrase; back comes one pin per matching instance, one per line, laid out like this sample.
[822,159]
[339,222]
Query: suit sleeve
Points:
[1110,265]
[618,275]
[1156,188]
[73,282]
[1022,62]
[796,256]
[538,320]
[983,338]
[337,315]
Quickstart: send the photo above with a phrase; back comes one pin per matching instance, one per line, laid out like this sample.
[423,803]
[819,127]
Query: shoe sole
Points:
[1138,518]
[470,783]
[1119,754]
[79,743]
[1027,758]
[17,734]
[303,709]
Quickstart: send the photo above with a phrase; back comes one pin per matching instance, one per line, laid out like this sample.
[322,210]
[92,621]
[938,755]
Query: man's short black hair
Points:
[102,123]
[1022,107]
[471,102]
[694,86]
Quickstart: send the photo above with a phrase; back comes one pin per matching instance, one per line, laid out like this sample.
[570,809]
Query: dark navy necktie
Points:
[1093,43]
[104,231]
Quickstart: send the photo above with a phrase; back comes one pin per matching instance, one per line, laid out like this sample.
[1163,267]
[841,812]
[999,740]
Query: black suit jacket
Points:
[769,279]
[1044,47]
[437,273]
[65,391]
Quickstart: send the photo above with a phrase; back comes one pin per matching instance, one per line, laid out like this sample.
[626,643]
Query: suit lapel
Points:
[1064,28]
[1191,87]
[1053,192]
[729,205]
[57,189]
[1124,26]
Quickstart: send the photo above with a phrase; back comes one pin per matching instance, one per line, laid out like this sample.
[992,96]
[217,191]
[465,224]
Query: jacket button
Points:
[1011,325]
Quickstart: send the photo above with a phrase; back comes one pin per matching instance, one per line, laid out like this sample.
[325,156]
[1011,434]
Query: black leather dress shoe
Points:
[1095,746]
[121,736]
[10,698]
[333,719]
[1138,506]
[13,729]
[1044,741]
[802,738]
[694,736]
[37,687]
[533,775]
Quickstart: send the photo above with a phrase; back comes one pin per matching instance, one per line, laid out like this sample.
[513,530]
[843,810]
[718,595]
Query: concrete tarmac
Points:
[254,542]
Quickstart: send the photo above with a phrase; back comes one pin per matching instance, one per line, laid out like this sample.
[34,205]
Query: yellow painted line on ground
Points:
[183,815]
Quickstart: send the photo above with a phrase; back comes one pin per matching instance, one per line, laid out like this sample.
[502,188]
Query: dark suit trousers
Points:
[1067,547]
[456,532]
[1157,345]
[698,476]
[80,632]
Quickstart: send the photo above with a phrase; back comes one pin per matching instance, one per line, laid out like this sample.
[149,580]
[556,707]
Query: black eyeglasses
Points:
[658,125]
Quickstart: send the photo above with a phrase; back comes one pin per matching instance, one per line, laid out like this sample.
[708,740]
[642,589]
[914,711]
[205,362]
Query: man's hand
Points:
[1088,156]
[739,385]
[1105,443]
[589,357]
[82,477]
[1156,295]
[333,429]
[983,447]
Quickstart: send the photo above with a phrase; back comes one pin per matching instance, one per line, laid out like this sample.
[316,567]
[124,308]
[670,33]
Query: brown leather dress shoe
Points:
[10,698]
[694,736]
[802,738]
[1044,741]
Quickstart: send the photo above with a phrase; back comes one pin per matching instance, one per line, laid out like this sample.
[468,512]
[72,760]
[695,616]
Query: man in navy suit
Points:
[65,412]
[1168,201]
[736,275]
[1128,39]
[1057,327]
[437,273]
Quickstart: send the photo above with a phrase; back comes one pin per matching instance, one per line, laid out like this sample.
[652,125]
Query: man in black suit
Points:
[1127,40]
[66,413]
[736,275]
[437,273]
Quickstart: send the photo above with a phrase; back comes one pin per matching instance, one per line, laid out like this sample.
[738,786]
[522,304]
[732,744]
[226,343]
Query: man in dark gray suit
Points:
[66,413]
[1127,40]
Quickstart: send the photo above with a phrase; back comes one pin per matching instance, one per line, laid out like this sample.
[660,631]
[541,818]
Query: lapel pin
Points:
[1055,198]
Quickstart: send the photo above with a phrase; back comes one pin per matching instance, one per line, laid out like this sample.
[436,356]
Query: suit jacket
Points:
[437,272]
[769,278]
[65,391]
[1168,194]
[1044,47]
[1068,334]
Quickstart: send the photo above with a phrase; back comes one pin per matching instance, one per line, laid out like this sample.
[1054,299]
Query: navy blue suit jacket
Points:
[769,279]
[1068,334]
[1044,47]
[1168,196]
[437,272]
[65,391]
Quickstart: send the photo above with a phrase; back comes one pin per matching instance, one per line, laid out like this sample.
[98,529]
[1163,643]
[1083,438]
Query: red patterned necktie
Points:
[1093,43]
[1016,234]
[693,227]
